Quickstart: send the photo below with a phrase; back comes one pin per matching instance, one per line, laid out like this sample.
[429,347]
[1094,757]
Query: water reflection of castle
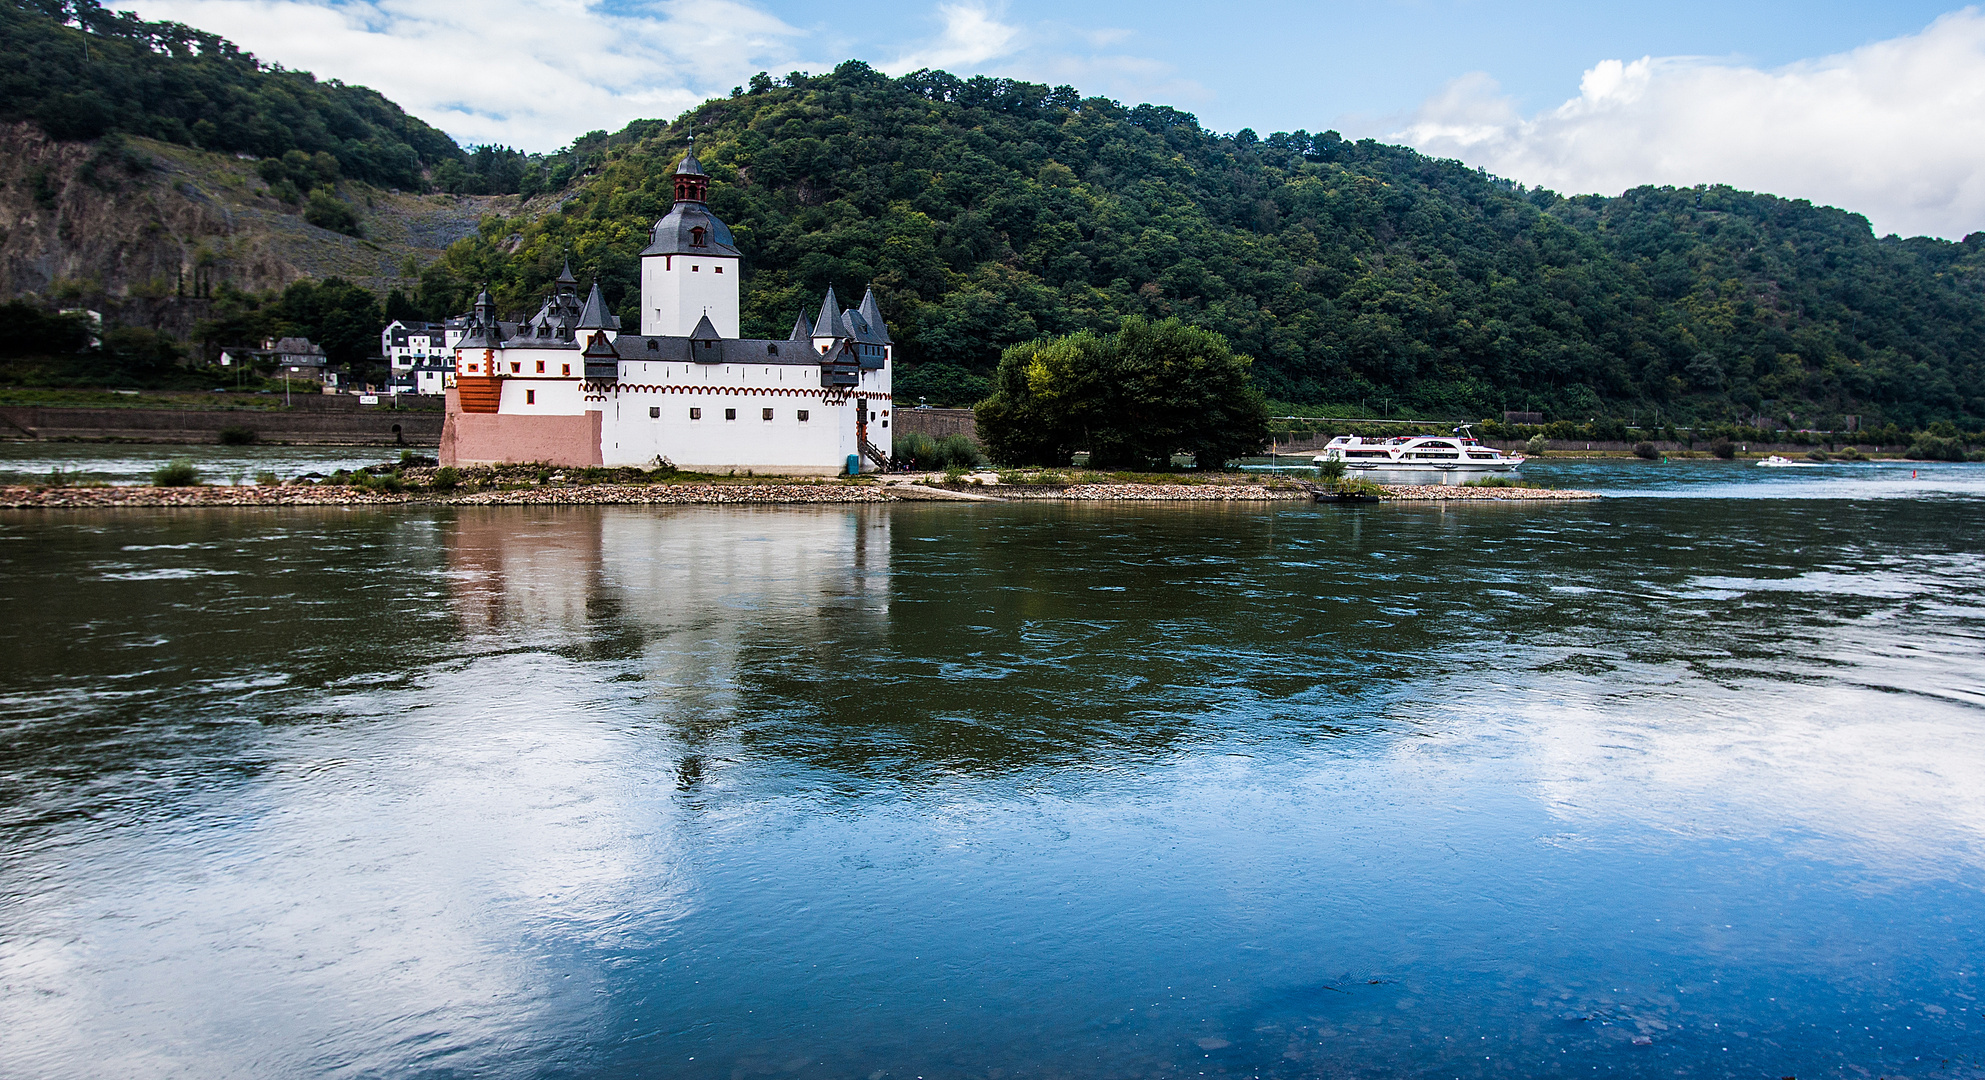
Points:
[687,592]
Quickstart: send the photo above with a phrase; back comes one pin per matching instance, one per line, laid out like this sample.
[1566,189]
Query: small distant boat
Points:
[1776,462]
[1458,453]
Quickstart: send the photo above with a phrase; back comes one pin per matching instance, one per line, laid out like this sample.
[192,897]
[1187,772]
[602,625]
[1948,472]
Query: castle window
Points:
[696,414]
[530,397]
[803,415]
[653,344]
[772,350]
[567,370]
[541,367]
[767,414]
[695,269]
[718,269]
[655,412]
[730,414]
[696,236]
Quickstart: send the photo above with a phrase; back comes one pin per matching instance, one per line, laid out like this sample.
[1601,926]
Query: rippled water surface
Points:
[134,463]
[1686,782]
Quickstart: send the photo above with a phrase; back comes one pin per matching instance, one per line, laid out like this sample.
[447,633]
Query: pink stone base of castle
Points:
[494,438]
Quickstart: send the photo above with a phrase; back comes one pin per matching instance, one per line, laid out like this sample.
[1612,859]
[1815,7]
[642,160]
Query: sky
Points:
[1875,107]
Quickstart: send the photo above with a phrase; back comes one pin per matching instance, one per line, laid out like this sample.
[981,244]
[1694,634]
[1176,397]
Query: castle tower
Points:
[689,270]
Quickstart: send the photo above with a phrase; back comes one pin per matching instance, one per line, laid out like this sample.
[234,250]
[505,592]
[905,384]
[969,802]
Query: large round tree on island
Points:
[1132,399]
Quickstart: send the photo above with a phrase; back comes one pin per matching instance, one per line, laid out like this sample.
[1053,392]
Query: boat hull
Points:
[1428,468]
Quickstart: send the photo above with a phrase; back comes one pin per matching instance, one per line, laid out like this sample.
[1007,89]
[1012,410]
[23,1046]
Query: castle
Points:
[568,386]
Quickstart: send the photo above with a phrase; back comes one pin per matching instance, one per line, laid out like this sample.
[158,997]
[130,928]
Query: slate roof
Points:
[828,322]
[674,234]
[872,313]
[729,351]
[595,316]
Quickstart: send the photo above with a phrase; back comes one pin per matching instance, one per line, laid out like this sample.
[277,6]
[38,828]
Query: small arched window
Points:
[772,350]
[696,236]
[653,345]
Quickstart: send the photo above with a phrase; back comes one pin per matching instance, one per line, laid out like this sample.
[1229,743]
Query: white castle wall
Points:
[648,415]
[678,290]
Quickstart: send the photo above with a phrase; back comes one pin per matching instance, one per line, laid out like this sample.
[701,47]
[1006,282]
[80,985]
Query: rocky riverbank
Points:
[1454,493]
[24,498]
[759,494]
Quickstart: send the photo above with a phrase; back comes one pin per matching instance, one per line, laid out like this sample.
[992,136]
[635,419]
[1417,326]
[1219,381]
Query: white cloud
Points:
[535,74]
[971,36]
[1894,130]
[974,40]
[530,73]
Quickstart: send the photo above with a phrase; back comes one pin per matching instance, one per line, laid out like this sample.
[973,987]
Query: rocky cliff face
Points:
[144,230]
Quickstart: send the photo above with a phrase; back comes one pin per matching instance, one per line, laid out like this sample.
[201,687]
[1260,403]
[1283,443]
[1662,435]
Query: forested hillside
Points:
[989,212]
[81,71]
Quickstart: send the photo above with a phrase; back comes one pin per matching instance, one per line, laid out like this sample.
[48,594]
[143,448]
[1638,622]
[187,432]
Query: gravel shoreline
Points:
[1447,493]
[54,498]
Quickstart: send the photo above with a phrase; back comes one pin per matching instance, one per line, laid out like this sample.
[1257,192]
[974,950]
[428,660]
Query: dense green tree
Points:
[1132,399]
[29,330]
[334,313]
[326,211]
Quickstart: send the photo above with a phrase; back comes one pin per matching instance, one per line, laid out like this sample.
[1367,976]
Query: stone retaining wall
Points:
[315,424]
[937,423]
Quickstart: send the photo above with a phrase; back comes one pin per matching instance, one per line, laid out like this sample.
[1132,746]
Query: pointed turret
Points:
[828,323]
[802,330]
[484,329]
[565,276]
[705,331]
[872,312]
[594,316]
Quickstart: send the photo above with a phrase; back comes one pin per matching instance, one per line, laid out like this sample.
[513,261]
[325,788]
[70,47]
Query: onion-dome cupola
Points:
[692,184]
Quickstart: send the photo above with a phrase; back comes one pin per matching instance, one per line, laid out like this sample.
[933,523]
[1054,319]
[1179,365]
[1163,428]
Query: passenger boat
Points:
[1776,462]
[1460,453]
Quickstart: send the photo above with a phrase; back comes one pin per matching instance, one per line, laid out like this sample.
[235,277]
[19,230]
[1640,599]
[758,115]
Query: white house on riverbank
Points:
[570,386]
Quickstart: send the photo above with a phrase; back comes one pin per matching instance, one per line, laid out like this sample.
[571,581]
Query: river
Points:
[1687,781]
